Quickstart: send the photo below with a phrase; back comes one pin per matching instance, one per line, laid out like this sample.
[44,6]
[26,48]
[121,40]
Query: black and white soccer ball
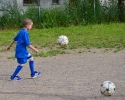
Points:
[107,88]
[62,40]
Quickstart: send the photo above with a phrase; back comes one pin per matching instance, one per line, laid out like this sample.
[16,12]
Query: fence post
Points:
[39,11]
[94,6]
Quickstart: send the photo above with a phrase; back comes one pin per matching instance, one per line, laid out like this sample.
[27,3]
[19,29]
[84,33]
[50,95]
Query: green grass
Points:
[107,36]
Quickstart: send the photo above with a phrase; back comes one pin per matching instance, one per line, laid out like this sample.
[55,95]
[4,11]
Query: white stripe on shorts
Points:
[29,55]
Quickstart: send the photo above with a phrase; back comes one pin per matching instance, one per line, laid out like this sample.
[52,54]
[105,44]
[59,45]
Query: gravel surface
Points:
[75,76]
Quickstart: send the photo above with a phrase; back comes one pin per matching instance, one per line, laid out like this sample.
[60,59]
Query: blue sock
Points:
[17,70]
[31,64]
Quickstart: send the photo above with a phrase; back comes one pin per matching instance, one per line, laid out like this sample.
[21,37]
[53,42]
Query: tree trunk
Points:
[121,5]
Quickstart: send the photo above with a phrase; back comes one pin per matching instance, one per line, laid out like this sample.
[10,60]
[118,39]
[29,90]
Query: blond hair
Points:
[27,21]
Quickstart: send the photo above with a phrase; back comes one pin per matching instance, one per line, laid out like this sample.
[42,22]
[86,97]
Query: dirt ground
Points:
[75,76]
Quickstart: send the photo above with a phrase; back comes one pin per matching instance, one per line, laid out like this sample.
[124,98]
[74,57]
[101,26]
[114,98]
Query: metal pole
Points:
[94,7]
[39,11]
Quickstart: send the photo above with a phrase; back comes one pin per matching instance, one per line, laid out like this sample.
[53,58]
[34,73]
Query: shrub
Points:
[80,12]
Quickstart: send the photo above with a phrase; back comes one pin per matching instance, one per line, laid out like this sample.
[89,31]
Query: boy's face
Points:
[29,26]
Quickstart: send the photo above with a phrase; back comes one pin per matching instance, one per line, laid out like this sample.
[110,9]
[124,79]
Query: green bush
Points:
[11,17]
[81,12]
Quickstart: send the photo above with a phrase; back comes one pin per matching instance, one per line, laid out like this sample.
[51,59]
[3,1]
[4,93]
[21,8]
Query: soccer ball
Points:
[62,40]
[107,88]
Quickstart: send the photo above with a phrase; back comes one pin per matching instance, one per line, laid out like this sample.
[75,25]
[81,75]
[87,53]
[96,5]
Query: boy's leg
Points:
[17,70]
[21,62]
[31,65]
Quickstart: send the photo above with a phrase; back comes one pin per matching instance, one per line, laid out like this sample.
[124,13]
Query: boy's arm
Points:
[11,43]
[33,48]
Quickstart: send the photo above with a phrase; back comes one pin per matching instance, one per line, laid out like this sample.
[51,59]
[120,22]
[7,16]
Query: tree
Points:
[121,5]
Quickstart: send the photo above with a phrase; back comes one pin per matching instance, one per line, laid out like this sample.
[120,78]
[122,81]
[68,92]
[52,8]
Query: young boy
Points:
[21,52]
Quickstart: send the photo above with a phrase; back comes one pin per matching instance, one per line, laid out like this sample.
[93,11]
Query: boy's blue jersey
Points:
[23,41]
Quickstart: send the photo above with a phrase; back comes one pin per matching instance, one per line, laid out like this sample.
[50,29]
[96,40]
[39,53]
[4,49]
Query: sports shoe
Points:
[17,78]
[36,74]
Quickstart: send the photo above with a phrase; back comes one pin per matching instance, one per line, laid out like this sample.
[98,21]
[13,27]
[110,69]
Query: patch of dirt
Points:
[73,76]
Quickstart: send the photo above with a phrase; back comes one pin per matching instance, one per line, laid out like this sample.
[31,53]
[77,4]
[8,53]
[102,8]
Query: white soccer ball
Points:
[107,88]
[62,40]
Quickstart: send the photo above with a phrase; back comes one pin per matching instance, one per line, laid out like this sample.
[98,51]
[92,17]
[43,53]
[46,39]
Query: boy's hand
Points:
[8,48]
[11,43]
[36,51]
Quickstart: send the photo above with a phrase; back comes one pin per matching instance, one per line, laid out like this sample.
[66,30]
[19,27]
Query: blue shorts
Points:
[24,60]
